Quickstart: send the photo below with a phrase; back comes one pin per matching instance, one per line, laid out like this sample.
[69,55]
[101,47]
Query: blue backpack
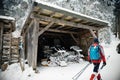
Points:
[94,52]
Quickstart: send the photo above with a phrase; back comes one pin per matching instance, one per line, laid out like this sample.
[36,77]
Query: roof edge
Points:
[70,12]
[7,18]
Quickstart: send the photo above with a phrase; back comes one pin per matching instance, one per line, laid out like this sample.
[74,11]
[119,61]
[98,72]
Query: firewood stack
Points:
[14,50]
[10,52]
[6,47]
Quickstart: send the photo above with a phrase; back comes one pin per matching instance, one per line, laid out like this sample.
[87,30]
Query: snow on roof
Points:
[7,17]
[71,13]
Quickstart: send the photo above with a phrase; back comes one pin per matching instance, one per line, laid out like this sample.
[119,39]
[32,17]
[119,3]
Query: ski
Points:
[80,72]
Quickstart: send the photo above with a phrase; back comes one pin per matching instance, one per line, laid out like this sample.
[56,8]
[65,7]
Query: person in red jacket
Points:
[96,56]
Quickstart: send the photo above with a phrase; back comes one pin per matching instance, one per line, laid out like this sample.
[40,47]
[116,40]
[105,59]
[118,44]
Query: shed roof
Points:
[50,9]
[65,21]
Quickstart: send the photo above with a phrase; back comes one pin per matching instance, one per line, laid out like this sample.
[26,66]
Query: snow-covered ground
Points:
[110,72]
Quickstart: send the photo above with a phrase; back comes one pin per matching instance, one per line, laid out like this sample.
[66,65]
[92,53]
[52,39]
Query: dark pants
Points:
[96,67]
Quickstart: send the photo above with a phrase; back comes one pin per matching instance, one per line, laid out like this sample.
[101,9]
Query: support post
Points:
[1,33]
[74,38]
[93,34]
[35,43]
[1,43]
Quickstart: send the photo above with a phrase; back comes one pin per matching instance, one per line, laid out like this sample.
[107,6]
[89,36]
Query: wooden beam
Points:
[70,13]
[57,15]
[73,28]
[53,34]
[1,39]
[8,25]
[59,31]
[43,22]
[93,34]
[77,20]
[74,38]
[68,18]
[60,27]
[67,27]
[10,49]
[63,22]
[46,28]
[24,32]
[35,43]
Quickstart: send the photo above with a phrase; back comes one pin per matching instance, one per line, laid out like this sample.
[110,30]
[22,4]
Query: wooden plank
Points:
[59,31]
[77,20]
[73,28]
[1,33]
[67,28]
[24,33]
[10,48]
[30,43]
[68,18]
[88,23]
[74,38]
[1,39]
[43,22]
[46,28]
[9,25]
[93,34]
[63,22]
[53,34]
[71,13]
[60,27]
[36,8]
[57,15]
[35,45]
[45,11]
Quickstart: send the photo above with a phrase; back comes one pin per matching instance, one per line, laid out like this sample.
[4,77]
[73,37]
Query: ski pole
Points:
[80,72]
[100,69]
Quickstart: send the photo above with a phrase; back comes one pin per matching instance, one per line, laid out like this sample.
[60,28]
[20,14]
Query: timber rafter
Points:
[63,22]
[46,28]
[59,31]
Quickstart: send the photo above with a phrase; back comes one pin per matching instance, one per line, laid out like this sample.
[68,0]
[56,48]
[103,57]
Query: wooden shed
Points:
[50,25]
[7,26]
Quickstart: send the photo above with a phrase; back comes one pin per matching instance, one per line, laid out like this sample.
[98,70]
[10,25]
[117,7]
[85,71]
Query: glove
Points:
[90,61]
[104,63]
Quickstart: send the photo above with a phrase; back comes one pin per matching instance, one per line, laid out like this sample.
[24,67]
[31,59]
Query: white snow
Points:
[7,17]
[64,9]
[110,71]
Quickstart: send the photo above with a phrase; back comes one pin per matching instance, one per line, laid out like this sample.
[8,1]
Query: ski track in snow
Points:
[110,72]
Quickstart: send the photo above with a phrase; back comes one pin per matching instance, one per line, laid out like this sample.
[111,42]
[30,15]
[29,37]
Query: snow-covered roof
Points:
[7,18]
[71,13]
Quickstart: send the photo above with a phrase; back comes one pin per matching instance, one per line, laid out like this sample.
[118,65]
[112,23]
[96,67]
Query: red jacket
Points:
[101,54]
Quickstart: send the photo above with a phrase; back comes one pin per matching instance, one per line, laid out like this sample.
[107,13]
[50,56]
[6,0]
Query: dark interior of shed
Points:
[48,40]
